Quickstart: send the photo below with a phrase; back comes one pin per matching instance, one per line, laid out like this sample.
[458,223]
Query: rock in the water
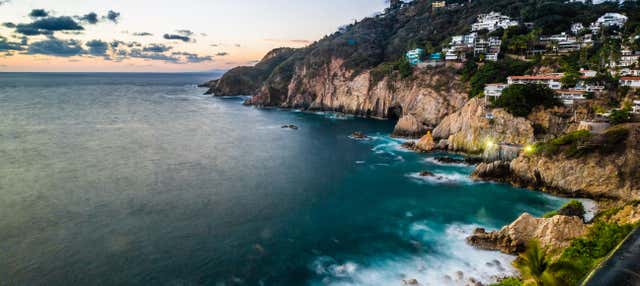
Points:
[409,145]
[412,282]
[290,126]
[359,135]
[553,233]
[409,126]
[426,174]
[426,143]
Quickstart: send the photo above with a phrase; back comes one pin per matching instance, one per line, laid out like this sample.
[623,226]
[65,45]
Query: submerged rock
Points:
[554,233]
[290,126]
[359,135]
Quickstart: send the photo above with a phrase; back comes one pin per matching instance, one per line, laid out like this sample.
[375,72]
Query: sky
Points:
[162,35]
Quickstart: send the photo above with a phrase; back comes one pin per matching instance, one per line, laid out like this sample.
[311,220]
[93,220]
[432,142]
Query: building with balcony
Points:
[630,81]
[550,80]
[492,22]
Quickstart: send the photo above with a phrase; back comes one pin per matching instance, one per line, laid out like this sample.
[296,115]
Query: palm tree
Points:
[536,266]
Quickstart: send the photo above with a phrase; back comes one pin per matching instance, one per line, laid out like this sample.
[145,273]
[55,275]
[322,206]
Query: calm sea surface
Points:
[139,179]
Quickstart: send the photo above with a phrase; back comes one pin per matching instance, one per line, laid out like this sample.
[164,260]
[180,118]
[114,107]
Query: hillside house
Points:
[629,72]
[630,81]
[628,58]
[550,80]
[577,28]
[636,107]
[492,22]
[438,4]
[612,19]
[494,90]
[415,56]
[569,96]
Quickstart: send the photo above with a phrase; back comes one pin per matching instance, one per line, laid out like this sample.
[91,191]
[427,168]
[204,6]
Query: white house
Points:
[569,96]
[494,90]
[636,106]
[628,58]
[630,81]
[492,22]
[611,19]
[550,80]
[576,28]
[629,72]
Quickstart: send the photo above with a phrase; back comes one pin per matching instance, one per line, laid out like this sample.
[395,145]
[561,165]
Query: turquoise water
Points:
[139,179]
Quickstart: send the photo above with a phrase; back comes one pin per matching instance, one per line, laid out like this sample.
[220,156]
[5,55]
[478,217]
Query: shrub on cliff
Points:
[572,208]
[520,99]
[511,281]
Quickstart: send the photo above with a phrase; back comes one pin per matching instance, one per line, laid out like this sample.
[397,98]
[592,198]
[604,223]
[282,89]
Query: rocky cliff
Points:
[607,170]
[470,130]
[246,80]
[420,102]
[553,233]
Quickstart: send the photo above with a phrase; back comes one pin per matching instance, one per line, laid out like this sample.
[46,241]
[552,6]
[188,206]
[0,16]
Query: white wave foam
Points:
[453,262]
[590,209]
[441,178]
[433,160]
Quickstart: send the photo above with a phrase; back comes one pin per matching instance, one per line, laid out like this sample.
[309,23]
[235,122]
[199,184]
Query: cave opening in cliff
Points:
[394,112]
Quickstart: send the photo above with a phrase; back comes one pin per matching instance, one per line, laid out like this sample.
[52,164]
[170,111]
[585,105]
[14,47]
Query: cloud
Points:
[222,54]
[9,25]
[186,33]
[116,43]
[178,37]
[237,45]
[113,16]
[46,26]
[137,53]
[91,18]
[157,48]
[38,13]
[142,34]
[2,2]
[193,58]
[6,46]
[97,47]
[56,47]
[214,45]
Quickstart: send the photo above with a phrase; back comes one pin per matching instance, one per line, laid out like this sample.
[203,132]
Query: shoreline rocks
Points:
[553,233]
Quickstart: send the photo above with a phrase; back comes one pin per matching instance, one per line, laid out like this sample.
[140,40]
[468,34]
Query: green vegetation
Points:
[582,142]
[520,100]
[492,72]
[537,267]
[511,281]
[586,253]
[620,116]
[572,208]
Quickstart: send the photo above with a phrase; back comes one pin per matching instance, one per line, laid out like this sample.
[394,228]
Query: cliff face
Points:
[553,233]
[596,174]
[421,102]
[247,80]
[469,130]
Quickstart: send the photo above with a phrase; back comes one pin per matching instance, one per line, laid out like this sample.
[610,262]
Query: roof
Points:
[571,91]
[536,77]
[630,78]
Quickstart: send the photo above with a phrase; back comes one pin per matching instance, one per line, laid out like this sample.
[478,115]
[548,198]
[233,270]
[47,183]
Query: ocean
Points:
[139,179]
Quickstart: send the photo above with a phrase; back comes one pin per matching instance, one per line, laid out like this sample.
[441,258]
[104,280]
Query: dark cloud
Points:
[137,53]
[134,44]
[186,33]
[46,26]
[97,47]
[156,48]
[91,18]
[237,45]
[116,43]
[38,13]
[56,47]
[9,25]
[142,34]
[192,58]
[6,46]
[177,37]
[214,45]
[2,2]
[113,16]
[222,54]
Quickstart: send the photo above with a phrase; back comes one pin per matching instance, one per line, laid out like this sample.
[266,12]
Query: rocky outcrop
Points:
[597,174]
[499,171]
[247,80]
[470,130]
[553,233]
[420,103]
[426,143]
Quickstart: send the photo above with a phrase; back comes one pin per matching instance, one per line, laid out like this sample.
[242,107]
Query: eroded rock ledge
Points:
[553,233]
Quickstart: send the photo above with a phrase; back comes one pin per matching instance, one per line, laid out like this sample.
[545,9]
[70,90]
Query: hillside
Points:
[359,68]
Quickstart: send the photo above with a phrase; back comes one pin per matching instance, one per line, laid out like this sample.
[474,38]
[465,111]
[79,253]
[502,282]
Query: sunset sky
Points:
[162,36]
